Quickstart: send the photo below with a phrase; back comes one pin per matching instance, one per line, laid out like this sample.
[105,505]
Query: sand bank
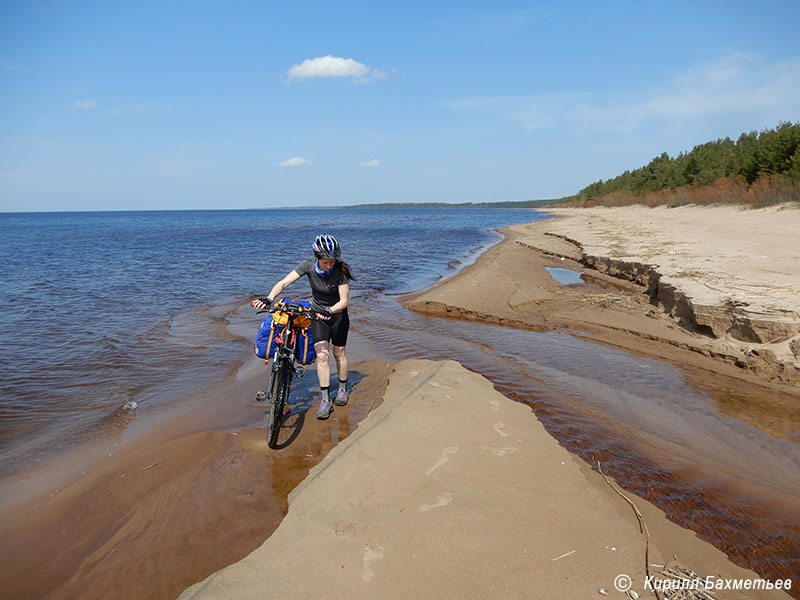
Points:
[509,285]
[729,272]
[714,288]
[451,490]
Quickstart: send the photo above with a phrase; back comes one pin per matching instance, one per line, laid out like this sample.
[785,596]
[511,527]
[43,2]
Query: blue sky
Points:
[182,105]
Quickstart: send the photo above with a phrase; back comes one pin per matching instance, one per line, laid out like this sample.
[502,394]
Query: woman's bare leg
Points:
[323,367]
[342,367]
[324,375]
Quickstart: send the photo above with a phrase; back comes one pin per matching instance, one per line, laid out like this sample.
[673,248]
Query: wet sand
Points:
[451,490]
[175,505]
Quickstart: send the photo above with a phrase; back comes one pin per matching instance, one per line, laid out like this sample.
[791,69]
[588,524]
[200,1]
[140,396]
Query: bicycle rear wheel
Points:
[280,395]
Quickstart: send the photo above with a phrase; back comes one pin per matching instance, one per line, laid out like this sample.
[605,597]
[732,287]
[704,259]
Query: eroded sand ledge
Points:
[727,271]
[721,283]
[451,490]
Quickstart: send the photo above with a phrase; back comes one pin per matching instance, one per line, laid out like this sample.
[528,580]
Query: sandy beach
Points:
[450,490]
[729,273]
[431,482]
[717,288]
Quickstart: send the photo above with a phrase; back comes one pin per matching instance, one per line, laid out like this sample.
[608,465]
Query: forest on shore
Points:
[759,169]
[506,204]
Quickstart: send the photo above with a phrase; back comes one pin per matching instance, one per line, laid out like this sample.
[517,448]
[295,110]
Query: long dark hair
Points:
[344,268]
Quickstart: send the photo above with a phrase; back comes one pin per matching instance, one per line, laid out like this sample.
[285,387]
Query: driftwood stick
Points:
[142,469]
[642,525]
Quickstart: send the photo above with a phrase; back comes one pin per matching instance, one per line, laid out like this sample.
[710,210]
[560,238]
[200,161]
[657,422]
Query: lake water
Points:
[99,311]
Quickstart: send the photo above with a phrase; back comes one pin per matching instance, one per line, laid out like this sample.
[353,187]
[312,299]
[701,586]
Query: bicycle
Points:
[283,363]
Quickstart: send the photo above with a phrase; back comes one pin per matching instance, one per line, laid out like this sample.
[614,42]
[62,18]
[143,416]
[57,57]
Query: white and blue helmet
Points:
[326,246]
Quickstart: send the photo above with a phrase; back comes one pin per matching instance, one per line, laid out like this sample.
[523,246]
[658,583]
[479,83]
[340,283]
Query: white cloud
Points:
[738,88]
[295,161]
[736,83]
[333,66]
[369,163]
[138,109]
[84,104]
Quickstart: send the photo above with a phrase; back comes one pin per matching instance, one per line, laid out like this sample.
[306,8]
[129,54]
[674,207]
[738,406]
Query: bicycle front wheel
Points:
[280,395]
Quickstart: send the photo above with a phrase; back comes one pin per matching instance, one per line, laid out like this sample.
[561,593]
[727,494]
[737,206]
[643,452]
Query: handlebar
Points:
[294,309]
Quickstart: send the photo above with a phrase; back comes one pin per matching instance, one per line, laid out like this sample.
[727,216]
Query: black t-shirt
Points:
[324,290]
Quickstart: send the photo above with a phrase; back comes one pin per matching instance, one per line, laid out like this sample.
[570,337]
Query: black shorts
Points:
[334,330]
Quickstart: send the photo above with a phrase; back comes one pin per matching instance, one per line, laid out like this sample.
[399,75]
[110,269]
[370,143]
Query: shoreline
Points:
[509,286]
[724,272]
[624,303]
[141,521]
[99,510]
[358,549]
[152,476]
[483,502]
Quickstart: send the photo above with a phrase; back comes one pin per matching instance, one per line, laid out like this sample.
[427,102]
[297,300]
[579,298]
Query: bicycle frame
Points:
[284,351]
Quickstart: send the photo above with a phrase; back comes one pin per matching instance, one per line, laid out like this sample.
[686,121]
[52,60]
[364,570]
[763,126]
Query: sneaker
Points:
[325,409]
[341,397]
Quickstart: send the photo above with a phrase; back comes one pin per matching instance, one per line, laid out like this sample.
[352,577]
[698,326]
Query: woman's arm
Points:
[284,283]
[344,298]
[279,287]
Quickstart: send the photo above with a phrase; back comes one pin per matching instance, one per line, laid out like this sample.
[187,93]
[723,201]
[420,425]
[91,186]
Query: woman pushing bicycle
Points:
[330,278]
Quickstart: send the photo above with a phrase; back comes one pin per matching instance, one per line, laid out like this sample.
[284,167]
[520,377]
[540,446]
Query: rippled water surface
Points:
[103,310]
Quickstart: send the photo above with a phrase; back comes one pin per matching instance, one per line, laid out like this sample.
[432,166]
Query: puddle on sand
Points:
[565,276]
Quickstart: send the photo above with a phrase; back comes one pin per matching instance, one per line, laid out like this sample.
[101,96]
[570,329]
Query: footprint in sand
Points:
[439,385]
[495,404]
[371,554]
[442,500]
[498,427]
[499,450]
[443,459]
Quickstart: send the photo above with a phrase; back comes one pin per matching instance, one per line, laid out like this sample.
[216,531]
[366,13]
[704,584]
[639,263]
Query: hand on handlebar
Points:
[261,303]
[322,313]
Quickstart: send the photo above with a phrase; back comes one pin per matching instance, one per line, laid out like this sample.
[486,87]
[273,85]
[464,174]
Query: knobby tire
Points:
[280,392]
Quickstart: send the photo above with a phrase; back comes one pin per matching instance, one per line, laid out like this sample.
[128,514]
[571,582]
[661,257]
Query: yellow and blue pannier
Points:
[304,350]
[274,326]
[267,338]
[281,318]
